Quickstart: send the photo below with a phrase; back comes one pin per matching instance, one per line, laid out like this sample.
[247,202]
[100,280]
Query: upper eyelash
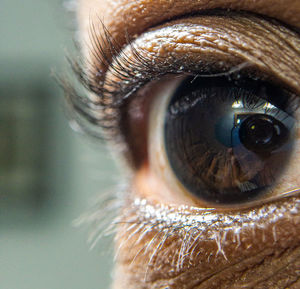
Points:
[100,117]
[97,109]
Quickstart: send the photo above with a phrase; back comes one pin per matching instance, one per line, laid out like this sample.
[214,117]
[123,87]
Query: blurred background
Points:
[48,173]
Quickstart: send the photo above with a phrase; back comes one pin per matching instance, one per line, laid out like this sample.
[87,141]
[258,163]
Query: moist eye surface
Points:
[228,141]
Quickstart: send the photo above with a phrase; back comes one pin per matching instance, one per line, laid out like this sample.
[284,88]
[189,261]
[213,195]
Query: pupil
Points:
[222,143]
[262,133]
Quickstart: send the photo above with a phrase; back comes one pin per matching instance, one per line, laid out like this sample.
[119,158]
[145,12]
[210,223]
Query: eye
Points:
[224,140]
[214,122]
[205,110]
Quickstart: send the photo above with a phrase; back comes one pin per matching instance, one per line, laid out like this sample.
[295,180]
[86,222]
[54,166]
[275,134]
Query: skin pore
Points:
[171,240]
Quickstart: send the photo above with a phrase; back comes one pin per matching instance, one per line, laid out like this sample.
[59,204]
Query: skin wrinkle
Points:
[230,38]
[157,254]
[267,273]
[142,14]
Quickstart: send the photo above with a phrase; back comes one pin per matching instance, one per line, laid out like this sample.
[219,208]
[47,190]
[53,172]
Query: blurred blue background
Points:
[47,172]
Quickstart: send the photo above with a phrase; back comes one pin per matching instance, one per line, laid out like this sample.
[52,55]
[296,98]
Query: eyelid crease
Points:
[139,15]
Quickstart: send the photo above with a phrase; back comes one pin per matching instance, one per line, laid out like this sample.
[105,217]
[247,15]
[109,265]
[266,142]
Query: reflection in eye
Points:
[228,141]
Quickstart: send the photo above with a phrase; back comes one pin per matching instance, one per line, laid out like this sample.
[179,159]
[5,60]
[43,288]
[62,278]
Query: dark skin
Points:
[261,247]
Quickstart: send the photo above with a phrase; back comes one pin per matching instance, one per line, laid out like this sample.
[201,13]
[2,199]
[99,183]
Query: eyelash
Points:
[103,113]
[100,117]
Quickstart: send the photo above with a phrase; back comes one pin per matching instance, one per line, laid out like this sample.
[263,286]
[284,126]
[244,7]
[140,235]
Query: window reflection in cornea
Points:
[167,237]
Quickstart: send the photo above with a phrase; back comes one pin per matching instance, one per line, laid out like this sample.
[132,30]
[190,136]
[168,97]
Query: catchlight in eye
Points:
[227,141]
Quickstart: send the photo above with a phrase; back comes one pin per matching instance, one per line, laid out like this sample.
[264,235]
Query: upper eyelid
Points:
[101,55]
[121,62]
[106,50]
[104,37]
[135,17]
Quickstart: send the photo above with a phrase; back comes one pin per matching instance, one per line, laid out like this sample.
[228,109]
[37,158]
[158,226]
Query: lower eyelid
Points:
[200,238]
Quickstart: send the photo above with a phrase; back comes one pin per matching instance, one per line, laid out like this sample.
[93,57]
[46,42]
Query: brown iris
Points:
[227,140]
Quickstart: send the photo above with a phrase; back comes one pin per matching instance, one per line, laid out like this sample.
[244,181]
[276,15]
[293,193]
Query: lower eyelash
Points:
[164,223]
[104,215]
[139,223]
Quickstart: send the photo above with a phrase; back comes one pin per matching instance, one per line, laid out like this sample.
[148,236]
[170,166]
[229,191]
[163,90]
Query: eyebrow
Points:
[139,15]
